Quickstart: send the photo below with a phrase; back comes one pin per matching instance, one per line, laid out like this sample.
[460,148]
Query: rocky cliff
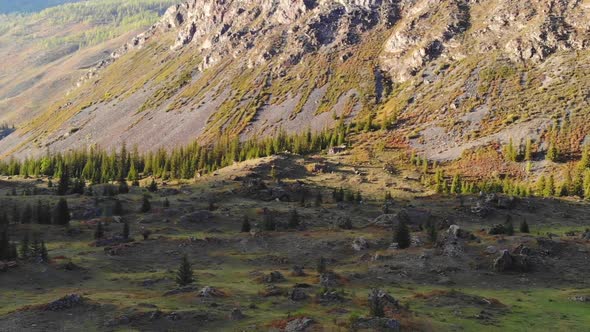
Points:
[458,67]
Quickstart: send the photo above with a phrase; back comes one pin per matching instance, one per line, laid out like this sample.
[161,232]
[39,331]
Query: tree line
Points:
[99,166]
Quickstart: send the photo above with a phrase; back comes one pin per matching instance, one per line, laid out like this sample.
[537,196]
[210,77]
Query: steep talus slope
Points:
[443,75]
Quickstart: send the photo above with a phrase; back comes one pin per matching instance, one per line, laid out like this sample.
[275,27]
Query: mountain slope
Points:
[441,75]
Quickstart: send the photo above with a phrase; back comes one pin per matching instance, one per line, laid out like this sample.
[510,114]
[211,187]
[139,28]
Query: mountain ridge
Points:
[256,68]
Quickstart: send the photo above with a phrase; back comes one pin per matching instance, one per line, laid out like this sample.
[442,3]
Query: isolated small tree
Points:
[318,199]
[508,226]
[99,231]
[126,230]
[293,219]
[432,232]
[43,254]
[62,213]
[4,246]
[246,225]
[118,208]
[146,234]
[359,197]
[166,203]
[64,182]
[376,305]
[268,223]
[524,227]
[25,247]
[153,187]
[402,235]
[552,152]
[321,266]
[146,206]
[123,186]
[388,196]
[184,276]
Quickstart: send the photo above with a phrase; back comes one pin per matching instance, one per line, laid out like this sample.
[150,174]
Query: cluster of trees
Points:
[41,214]
[98,166]
[26,249]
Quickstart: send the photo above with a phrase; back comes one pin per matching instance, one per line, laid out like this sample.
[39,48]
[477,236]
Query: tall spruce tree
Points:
[402,235]
[64,182]
[184,275]
[62,213]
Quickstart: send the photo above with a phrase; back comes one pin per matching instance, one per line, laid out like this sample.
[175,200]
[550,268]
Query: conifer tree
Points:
[146,206]
[321,266]
[246,225]
[99,231]
[376,305]
[43,254]
[27,215]
[550,187]
[552,152]
[118,208]
[4,246]
[402,235]
[184,275]
[528,150]
[318,199]
[126,230]
[123,186]
[508,226]
[293,219]
[153,187]
[25,248]
[524,227]
[64,182]
[62,213]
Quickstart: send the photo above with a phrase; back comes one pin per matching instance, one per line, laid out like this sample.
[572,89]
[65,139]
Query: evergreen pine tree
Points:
[99,231]
[246,225]
[62,213]
[376,305]
[402,235]
[166,203]
[64,182]
[4,246]
[293,219]
[27,215]
[508,226]
[146,206]
[184,276]
[524,227]
[118,208]
[123,186]
[321,266]
[126,231]
[43,254]
[153,187]
[25,249]
[318,199]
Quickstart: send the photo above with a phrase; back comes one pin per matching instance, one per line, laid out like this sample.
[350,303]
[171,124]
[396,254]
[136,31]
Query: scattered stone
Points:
[377,324]
[209,291]
[329,279]
[173,316]
[274,276]
[330,296]
[580,298]
[186,289]
[508,262]
[236,314]
[344,223]
[272,290]
[297,294]
[66,302]
[298,324]
[197,217]
[360,244]
[491,250]
[298,271]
